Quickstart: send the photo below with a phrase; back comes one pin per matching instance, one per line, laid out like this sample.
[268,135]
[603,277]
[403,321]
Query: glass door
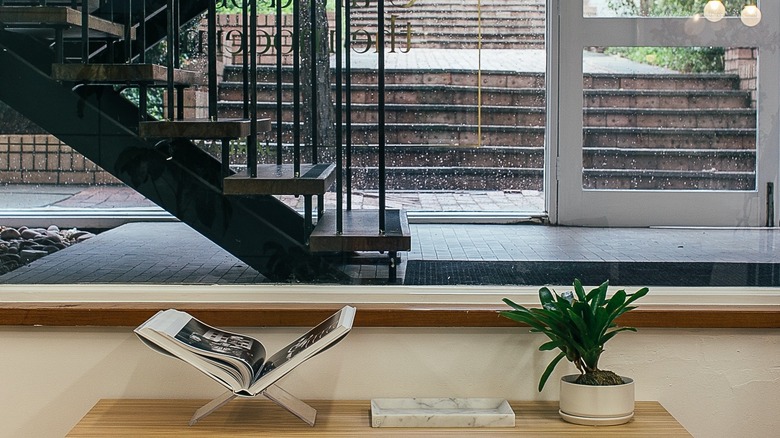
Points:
[660,117]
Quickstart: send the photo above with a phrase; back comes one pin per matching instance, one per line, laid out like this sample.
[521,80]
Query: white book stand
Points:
[273,393]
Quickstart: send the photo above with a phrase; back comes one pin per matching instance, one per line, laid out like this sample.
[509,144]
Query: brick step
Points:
[440,134]
[533,136]
[470,34]
[501,178]
[432,156]
[420,155]
[467,20]
[232,92]
[540,4]
[486,44]
[489,27]
[467,95]
[620,179]
[667,99]
[681,81]
[731,118]
[414,113]
[233,73]
[450,178]
[695,160]
[670,138]
[437,9]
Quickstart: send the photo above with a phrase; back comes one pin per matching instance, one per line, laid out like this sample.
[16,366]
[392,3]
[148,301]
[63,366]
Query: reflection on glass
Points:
[662,8]
[669,118]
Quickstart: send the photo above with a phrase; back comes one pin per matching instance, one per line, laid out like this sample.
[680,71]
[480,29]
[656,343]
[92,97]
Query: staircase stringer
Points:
[185,181]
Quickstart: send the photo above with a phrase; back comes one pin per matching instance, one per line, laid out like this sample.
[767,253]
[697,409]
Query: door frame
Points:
[568,203]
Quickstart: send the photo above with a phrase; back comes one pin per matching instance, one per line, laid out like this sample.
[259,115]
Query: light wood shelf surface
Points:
[261,418]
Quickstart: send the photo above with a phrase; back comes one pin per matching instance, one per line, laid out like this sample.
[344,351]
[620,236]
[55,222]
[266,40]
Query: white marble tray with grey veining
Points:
[441,412]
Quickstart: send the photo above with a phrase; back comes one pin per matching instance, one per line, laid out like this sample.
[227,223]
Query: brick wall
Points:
[43,159]
[742,61]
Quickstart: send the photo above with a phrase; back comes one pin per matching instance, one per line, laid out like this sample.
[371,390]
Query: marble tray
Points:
[441,412]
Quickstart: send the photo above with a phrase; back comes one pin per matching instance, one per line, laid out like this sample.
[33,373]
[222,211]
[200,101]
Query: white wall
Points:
[717,383]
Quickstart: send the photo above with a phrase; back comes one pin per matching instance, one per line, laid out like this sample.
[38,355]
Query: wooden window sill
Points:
[128,314]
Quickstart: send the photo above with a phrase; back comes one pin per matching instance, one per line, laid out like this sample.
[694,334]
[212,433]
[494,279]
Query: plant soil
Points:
[599,378]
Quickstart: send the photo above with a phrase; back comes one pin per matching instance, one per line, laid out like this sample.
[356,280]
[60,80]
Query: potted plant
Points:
[579,324]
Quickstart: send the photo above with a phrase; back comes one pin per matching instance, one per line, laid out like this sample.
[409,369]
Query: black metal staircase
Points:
[63,65]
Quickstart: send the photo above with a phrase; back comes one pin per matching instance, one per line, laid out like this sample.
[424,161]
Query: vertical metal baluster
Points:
[348,98]
[313,60]
[252,143]
[128,27]
[141,38]
[212,58]
[84,32]
[380,45]
[170,55]
[279,89]
[245,54]
[177,60]
[339,132]
[296,89]
[141,34]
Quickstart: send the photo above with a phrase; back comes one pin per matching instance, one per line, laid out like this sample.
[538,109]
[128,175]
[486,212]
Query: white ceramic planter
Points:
[596,405]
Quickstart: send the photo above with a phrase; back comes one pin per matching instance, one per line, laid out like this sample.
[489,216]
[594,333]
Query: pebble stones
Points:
[20,246]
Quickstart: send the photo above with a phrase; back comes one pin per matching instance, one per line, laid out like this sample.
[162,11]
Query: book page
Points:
[216,342]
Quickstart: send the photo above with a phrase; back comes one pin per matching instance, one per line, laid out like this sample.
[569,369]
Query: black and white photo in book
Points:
[235,360]
[209,339]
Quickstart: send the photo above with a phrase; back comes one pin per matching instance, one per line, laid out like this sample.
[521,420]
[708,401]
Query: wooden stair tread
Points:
[272,179]
[361,232]
[57,16]
[204,129]
[123,73]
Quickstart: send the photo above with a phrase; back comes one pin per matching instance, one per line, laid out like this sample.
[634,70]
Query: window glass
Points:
[669,118]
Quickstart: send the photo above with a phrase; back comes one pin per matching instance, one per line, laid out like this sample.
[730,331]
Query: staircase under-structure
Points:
[63,65]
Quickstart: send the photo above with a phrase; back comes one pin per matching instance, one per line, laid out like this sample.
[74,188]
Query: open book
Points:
[237,361]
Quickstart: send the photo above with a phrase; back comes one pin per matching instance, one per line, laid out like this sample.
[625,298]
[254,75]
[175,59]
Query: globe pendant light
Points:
[751,15]
[714,10]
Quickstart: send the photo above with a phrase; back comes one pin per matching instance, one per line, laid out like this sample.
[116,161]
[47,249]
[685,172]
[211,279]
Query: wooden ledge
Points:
[272,179]
[369,315]
[149,74]
[58,16]
[203,129]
